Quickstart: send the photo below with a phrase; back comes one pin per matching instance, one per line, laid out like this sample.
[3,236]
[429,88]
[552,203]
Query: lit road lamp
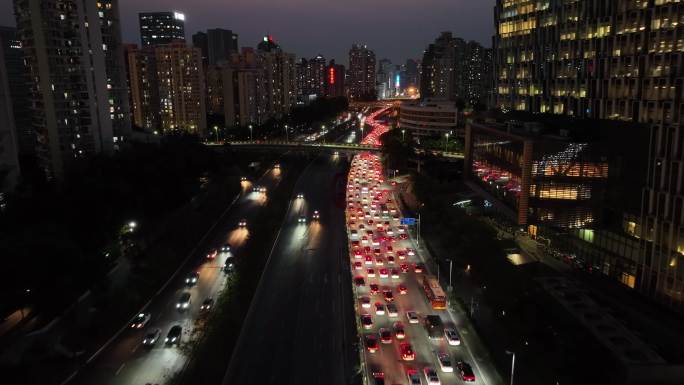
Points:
[216,131]
[131,226]
[403,137]
[446,142]
[512,364]
[286,137]
[250,132]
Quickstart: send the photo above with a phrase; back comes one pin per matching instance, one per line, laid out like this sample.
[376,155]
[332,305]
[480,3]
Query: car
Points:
[365,302]
[379,261]
[407,353]
[389,297]
[410,252]
[413,377]
[399,331]
[151,337]
[392,310]
[368,260]
[358,265]
[385,336]
[390,260]
[445,362]
[402,289]
[228,267]
[183,301]
[404,267]
[276,166]
[212,254]
[401,254]
[371,343]
[403,236]
[140,320]
[225,248]
[207,304]
[419,268]
[315,215]
[192,279]
[465,372]
[174,335]
[300,196]
[370,273]
[366,321]
[383,273]
[412,317]
[359,281]
[374,289]
[243,179]
[452,337]
[378,376]
[302,219]
[242,223]
[431,376]
[379,308]
[394,273]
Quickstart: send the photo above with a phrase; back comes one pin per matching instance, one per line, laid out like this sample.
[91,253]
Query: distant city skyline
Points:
[397,30]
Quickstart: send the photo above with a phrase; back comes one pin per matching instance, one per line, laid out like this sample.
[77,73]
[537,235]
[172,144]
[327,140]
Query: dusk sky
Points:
[396,29]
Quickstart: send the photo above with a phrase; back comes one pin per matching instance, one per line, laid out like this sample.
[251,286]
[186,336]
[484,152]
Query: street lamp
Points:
[451,265]
[446,142]
[286,138]
[216,131]
[250,132]
[403,137]
[512,364]
[132,225]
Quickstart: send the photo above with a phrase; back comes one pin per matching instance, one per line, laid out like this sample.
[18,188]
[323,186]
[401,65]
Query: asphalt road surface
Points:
[300,325]
[125,360]
[387,359]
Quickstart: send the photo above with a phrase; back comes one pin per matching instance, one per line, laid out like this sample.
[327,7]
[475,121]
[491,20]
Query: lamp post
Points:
[512,364]
[286,137]
[403,137]
[451,265]
[216,131]
[446,142]
[250,132]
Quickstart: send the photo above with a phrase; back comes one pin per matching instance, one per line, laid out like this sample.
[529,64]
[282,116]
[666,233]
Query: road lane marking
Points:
[120,368]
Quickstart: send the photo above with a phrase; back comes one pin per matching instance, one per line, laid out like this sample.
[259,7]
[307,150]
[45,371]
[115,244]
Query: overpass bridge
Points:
[291,145]
[318,146]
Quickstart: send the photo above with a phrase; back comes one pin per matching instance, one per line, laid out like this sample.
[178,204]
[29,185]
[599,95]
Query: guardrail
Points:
[278,143]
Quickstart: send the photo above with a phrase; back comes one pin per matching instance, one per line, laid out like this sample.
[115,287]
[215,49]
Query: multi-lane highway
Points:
[299,328]
[125,360]
[384,258]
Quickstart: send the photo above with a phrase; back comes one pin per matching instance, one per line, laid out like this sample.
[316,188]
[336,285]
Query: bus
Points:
[434,292]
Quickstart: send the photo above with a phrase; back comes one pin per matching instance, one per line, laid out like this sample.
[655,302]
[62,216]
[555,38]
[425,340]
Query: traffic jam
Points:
[405,330]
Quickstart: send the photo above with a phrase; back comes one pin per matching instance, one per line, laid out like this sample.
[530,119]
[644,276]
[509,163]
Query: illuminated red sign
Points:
[331,71]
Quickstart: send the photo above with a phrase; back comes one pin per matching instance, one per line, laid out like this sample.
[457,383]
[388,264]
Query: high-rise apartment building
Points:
[476,74]
[362,73]
[442,61]
[161,27]
[19,95]
[168,88]
[242,79]
[142,75]
[76,99]
[180,80]
[279,74]
[9,157]
[610,59]
[201,41]
[221,44]
[311,77]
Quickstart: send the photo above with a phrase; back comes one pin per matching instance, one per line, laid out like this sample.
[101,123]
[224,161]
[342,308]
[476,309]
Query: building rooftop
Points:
[559,127]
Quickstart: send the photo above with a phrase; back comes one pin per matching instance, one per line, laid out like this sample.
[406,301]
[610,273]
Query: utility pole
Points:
[451,265]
